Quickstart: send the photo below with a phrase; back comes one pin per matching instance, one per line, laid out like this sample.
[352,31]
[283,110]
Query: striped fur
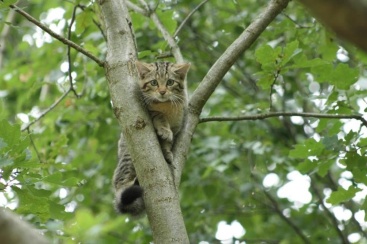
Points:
[164,94]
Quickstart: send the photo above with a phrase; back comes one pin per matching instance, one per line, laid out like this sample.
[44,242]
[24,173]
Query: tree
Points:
[298,87]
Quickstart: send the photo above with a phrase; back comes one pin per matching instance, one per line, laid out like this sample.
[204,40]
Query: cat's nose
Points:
[162,92]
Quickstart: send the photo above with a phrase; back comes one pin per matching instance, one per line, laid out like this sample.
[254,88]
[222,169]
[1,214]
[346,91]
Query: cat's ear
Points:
[181,69]
[143,68]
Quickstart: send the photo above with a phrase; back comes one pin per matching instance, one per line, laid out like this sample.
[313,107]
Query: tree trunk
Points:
[160,196]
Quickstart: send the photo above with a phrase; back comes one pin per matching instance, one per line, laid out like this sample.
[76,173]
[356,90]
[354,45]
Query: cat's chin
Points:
[161,100]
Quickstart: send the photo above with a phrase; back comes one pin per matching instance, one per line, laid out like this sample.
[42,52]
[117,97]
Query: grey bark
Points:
[13,230]
[161,197]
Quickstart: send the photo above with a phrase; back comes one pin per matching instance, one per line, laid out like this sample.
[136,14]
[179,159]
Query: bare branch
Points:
[57,36]
[26,126]
[188,17]
[214,77]
[287,114]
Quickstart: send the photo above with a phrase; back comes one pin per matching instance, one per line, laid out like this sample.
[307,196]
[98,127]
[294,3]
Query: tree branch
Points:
[214,77]
[57,36]
[49,109]
[286,114]
[14,230]
[188,17]
[136,8]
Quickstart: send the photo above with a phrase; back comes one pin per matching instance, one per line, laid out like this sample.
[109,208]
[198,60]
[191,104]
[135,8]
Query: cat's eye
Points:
[154,82]
[170,82]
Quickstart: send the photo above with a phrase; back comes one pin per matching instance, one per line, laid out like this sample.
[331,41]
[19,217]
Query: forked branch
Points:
[215,75]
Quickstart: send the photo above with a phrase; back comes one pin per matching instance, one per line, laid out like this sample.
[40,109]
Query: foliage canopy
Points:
[287,179]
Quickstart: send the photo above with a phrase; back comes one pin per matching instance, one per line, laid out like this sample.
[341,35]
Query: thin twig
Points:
[188,17]
[49,109]
[277,114]
[275,206]
[276,75]
[34,145]
[166,35]
[99,26]
[287,220]
[4,33]
[331,216]
[69,52]
[57,36]
[296,24]
[136,8]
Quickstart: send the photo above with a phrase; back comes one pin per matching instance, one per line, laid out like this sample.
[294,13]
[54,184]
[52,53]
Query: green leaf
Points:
[330,142]
[137,20]
[306,166]
[342,195]
[309,148]
[10,134]
[167,20]
[7,3]
[72,181]
[324,166]
[55,178]
[144,53]
[266,80]
[29,203]
[322,73]
[83,21]
[344,76]
[301,61]
[265,54]
[5,161]
[290,50]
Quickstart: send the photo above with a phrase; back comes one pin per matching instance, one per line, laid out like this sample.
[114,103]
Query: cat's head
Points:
[162,81]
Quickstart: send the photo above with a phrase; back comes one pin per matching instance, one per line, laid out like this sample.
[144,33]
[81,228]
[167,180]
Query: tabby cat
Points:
[164,94]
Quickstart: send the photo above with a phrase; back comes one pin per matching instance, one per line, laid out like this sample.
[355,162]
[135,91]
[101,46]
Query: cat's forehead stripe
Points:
[161,69]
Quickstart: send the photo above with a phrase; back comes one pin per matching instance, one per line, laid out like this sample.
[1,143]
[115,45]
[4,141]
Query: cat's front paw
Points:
[165,134]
